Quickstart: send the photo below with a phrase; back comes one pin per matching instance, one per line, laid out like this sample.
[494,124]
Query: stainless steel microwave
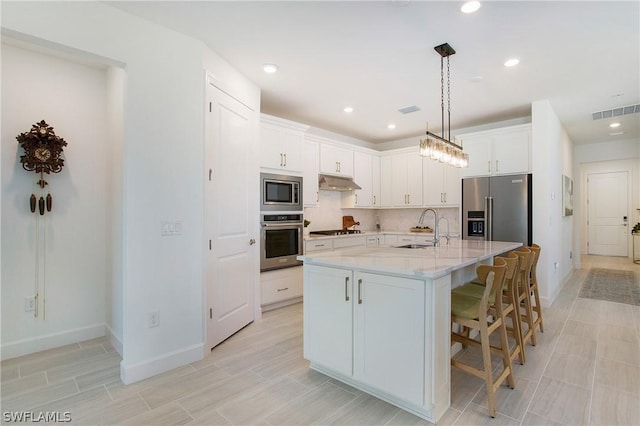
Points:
[280,192]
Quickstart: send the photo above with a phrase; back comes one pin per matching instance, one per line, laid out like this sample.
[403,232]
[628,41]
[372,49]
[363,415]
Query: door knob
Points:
[252,242]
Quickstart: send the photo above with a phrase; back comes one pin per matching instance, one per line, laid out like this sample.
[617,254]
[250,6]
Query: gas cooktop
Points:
[337,232]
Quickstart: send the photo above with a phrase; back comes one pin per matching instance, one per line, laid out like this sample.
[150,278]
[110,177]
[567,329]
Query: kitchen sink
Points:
[415,246]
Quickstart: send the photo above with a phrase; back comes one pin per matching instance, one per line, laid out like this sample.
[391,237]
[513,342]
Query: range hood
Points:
[335,183]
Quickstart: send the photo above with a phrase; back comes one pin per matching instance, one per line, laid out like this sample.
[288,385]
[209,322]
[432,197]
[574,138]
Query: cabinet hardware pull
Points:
[445,197]
[374,200]
[317,196]
[360,292]
[356,198]
[283,289]
[280,159]
[346,289]
[408,198]
[285,159]
[319,245]
[497,168]
[489,166]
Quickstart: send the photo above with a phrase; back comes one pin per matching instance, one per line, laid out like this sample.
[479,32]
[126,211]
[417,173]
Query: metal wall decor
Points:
[42,154]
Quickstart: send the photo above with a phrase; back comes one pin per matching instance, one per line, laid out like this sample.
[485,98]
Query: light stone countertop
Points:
[367,233]
[427,262]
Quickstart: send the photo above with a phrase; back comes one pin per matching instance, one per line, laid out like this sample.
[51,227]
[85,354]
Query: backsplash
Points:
[328,215]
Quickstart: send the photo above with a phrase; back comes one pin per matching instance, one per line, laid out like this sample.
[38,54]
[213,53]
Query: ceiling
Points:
[378,57]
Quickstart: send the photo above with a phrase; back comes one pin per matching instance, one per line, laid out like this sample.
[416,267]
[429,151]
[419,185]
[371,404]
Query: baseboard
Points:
[546,302]
[115,341]
[50,341]
[282,304]
[143,370]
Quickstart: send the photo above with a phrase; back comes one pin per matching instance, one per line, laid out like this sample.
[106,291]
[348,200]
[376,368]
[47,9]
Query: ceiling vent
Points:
[616,112]
[409,109]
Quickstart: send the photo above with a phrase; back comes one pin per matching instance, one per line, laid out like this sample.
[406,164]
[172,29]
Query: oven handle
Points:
[281,225]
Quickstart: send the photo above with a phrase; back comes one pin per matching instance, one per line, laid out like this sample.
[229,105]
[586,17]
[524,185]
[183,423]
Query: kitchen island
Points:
[378,318]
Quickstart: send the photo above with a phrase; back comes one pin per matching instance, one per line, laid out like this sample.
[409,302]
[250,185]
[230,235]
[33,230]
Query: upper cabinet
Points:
[335,160]
[281,144]
[401,180]
[441,184]
[498,152]
[366,173]
[311,159]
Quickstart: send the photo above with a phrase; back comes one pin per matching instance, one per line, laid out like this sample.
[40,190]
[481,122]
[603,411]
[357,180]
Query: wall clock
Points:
[42,154]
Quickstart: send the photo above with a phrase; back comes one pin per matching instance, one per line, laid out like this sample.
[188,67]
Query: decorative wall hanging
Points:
[42,154]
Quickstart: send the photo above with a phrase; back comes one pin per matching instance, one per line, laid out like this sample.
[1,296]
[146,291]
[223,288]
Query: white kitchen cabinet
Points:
[280,286]
[335,160]
[328,317]
[498,152]
[388,314]
[390,240]
[363,175]
[311,159]
[403,172]
[375,181]
[441,184]
[325,244]
[350,315]
[350,241]
[375,240]
[281,144]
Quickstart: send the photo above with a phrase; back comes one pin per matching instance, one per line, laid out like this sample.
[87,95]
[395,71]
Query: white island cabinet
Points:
[378,318]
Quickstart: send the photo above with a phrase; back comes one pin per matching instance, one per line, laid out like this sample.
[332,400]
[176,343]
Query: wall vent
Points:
[615,112]
[409,109]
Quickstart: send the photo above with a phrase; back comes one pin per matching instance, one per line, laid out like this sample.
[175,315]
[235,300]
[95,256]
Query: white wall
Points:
[551,150]
[606,157]
[74,246]
[162,169]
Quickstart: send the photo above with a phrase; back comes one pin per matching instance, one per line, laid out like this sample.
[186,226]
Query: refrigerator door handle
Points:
[488,214]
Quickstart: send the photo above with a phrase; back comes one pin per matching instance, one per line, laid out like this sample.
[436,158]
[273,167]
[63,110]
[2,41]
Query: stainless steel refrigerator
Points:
[497,208]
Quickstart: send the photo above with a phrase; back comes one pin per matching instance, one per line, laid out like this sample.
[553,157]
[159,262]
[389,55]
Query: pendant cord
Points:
[449,98]
[442,95]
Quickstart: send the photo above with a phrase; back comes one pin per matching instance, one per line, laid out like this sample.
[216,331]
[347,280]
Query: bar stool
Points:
[509,299]
[524,307]
[533,284]
[472,313]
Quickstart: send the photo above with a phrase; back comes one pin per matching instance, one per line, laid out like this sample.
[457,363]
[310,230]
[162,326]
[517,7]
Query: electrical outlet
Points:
[153,319]
[29,304]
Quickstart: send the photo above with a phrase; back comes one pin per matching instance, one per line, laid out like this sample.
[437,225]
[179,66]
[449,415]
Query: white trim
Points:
[50,341]
[114,340]
[140,371]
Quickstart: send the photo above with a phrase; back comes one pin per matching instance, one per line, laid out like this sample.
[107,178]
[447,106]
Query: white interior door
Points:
[230,212]
[607,201]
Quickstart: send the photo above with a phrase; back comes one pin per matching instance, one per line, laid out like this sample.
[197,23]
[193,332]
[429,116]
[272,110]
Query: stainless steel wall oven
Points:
[281,240]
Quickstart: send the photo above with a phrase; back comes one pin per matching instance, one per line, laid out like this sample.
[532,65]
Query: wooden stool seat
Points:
[473,313]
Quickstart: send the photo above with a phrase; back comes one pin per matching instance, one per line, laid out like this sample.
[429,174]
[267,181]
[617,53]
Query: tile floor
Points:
[585,370]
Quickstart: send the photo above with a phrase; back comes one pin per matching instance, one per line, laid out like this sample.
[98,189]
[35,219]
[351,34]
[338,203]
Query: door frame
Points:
[605,167]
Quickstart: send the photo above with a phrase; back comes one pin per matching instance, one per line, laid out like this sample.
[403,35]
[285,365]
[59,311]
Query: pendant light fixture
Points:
[438,147]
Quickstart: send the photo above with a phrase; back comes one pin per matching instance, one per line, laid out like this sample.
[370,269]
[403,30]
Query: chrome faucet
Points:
[436,240]
[446,236]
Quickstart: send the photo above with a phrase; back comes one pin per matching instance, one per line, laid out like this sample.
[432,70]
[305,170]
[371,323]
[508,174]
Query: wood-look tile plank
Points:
[404,418]
[115,412]
[119,390]
[99,378]
[219,392]
[626,333]
[312,407]
[40,356]
[535,420]
[510,402]
[364,410]
[166,415]
[82,367]
[60,360]
[38,396]
[614,407]
[252,407]
[618,375]
[561,402]
[571,369]
[78,405]
[479,416]
[617,350]
[9,372]
[23,384]
[182,387]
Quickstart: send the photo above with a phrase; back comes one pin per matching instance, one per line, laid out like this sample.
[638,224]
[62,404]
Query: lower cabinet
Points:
[368,327]
[280,287]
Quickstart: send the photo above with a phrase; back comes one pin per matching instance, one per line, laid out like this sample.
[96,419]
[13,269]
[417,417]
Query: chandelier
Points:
[437,147]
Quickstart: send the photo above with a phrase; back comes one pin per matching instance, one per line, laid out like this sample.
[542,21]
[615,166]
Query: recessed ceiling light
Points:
[270,68]
[614,125]
[470,6]
[616,134]
[391,126]
[512,62]
[348,109]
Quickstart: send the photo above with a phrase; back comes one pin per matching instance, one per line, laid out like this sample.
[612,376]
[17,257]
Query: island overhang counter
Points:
[378,318]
